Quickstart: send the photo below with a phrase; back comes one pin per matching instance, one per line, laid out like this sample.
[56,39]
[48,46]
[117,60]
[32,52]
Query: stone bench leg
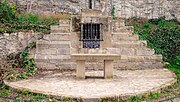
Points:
[80,70]
[108,69]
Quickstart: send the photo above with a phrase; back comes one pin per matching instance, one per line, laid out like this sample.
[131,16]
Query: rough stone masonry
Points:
[124,8]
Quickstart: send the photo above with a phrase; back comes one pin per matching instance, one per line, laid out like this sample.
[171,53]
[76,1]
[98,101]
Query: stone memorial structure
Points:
[92,39]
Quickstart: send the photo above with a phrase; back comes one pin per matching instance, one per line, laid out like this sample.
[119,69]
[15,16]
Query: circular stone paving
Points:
[125,82]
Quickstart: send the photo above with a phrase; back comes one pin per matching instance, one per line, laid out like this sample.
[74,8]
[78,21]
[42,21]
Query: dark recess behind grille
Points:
[91,35]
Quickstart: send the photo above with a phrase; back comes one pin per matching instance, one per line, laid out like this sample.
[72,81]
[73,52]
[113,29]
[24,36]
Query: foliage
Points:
[12,21]
[161,34]
[7,12]
[156,20]
[113,12]
[21,63]
[165,41]
[175,65]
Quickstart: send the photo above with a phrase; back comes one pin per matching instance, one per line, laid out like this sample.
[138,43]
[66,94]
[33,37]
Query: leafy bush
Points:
[7,12]
[165,41]
[156,20]
[10,21]
[175,65]
[22,65]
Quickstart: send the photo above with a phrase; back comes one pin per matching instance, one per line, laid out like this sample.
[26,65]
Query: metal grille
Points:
[91,35]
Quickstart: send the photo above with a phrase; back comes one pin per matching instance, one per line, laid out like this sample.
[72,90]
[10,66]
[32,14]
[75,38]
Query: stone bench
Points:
[107,58]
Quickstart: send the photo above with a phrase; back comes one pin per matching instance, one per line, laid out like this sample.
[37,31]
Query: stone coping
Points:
[125,83]
[95,57]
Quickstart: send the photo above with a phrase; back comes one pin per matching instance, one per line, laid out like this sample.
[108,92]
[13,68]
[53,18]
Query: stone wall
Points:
[147,8]
[124,8]
[14,42]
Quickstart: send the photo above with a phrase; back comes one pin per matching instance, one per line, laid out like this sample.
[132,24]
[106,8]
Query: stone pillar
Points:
[108,69]
[80,70]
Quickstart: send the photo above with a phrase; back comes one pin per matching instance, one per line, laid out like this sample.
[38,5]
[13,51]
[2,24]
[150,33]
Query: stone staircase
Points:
[135,53]
[53,51]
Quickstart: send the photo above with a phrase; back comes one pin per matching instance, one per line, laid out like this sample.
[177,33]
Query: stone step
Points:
[131,51]
[89,51]
[125,29]
[148,58]
[118,23]
[60,29]
[120,37]
[129,44]
[146,51]
[54,66]
[64,21]
[53,51]
[49,58]
[57,37]
[137,65]
[44,44]
[122,33]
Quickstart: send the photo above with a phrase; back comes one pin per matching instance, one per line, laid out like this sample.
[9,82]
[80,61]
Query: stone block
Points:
[122,51]
[146,51]
[108,69]
[51,51]
[59,29]
[52,57]
[57,37]
[64,21]
[128,29]
[130,44]
[63,51]
[53,44]
[154,58]
[52,66]
[137,65]
[145,58]
[80,70]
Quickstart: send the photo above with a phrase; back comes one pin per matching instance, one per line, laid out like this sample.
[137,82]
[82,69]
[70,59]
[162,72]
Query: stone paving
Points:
[125,82]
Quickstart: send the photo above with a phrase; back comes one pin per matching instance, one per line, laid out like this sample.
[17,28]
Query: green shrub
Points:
[175,65]
[7,12]
[11,22]
[156,20]
[165,41]
[22,61]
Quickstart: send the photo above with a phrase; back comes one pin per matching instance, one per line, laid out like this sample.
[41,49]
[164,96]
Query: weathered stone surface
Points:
[125,83]
[14,42]
[49,57]
[145,58]
[130,44]
[147,8]
[55,66]
[145,52]
[123,8]
[57,37]
[125,29]
[121,37]
[137,65]
[54,51]
[122,51]
[53,44]
[60,29]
